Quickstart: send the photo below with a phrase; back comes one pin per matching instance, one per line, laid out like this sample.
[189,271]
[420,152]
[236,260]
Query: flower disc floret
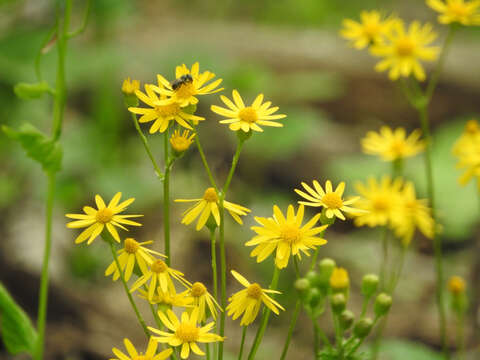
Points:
[198,289]
[254,291]
[187,332]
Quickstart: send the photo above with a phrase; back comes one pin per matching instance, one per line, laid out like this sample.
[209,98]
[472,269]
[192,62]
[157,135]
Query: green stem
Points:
[291,328]
[125,286]
[82,27]
[242,342]
[38,57]
[265,317]
[338,336]
[204,161]
[383,265]
[146,145]
[366,301]
[461,335]
[319,332]
[233,167]
[166,200]
[213,245]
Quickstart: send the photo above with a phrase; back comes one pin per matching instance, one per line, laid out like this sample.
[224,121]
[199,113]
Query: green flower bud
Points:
[383,302]
[314,297]
[314,278]
[29,91]
[243,136]
[346,319]
[302,285]
[338,303]
[325,267]
[369,285]
[363,327]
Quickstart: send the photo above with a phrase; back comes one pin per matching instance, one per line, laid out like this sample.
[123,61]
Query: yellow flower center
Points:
[398,148]
[159,267]
[290,233]
[248,114]
[254,291]
[405,47]
[210,195]
[167,110]
[198,289]
[458,9]
[185,90]
[104,215]
[131,246]
[380,204]
[332,200]
[187,332]
[371,30]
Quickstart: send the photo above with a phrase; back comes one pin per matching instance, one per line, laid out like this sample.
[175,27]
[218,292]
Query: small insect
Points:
[181,80]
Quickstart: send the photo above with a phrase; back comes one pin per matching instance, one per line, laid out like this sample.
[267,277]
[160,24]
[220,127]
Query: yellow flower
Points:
[285,235]
[456,285]
[470,135]
[249,300]
[187,85]
[207,205]
[332,201]
[247,117]
[160,275]
[167,299]
[379,199]
[185,332]
[130,86]
[339,280]
[411,214]
[467,150]
[149,354]
[457,11]
[181,142]
[202,298]
[95,220]
[391,145]
[370,30]
[132,251]
[403,49]
[161,111]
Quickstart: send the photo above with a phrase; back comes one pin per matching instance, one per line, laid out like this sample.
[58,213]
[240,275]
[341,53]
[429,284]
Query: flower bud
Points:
[339,281]
[369,285]
[243,136]
[338,303]
[314,297]
[456,285]
[383,302]
[325,269]
[29,91]
[313,277]
[181,142]
[128,88]
[363,327]
[302,285]
[346,319]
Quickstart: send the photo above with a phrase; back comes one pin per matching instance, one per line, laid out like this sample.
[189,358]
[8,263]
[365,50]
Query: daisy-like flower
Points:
[379,199]
[201,299]
[187,85]
[332,201]
[249,300]
[167,299]
[132,252]
[470,135]
[160,275]
[391,145]
[403,50]
[181,142]
[161,111]
[208,205]
[286,235]
[130,86]
[464,12]
[150,354]
[95,220]
[247,117]
[412,214]
[370,30]
[186,332]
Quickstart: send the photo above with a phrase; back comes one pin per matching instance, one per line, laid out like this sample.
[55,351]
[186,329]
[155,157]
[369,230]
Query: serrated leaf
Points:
[37,146]
[17,332]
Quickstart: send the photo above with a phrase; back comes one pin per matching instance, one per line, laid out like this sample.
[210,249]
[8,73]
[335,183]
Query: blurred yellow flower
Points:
[149,354]
[286,236]
[161,111]
[456,285]
[186,333]
[181,142]
[187,85]
[370,30]
[132,251]
[469,136]
[391,145]
[95,220]
[208,205]
[467,151]
[457,11]
[403,49]
[330,200]
[247,117]
[379,199]
[201,298]
[339,280]
[130,86]
[249,300]
[167,299]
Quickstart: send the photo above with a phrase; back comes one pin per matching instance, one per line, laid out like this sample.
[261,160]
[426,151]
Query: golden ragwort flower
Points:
[201,298]
[95,220]
[130,86]
[208,205]
[467,150]
[149,354]
[457,11]
[339,280]
[167,299]
[285,235]
[456,285]
[247,117]
[249,300]
[181,142]
[186,333]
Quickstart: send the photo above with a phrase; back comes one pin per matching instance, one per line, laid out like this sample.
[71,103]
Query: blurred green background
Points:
[290,51]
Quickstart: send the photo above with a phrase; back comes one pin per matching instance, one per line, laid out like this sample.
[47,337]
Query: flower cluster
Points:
[467,151]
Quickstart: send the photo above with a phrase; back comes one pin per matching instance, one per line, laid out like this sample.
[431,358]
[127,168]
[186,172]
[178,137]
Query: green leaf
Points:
[37,146]
[18,334]
[28,91]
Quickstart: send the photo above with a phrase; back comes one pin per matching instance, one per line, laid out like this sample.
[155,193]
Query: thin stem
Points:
[82,27]
[207,348]
[233,167]
[213,245]
[146,145]
[204,161]
[265,317]
[322,335]
[383,265]
[155,316]
[338,336]
[242,342]
[291,329]
[40,53]
[166,200]
[366,301]
[125,286]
